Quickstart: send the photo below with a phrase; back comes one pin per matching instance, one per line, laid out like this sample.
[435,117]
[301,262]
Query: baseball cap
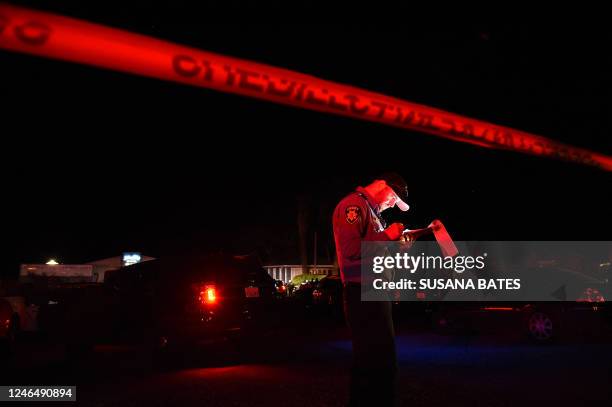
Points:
[399,186]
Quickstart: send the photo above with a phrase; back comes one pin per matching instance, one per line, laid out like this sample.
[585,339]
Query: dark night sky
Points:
[101,162]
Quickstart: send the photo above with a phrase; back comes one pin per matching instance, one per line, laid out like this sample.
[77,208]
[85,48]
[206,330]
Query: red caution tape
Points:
[68,39]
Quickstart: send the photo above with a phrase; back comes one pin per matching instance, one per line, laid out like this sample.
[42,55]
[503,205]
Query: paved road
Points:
[308,367]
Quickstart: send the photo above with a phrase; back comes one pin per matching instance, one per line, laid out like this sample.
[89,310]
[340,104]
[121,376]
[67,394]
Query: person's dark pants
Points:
[374,371]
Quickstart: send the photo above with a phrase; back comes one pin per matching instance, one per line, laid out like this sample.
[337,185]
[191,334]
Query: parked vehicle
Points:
[7,324]
[585,309]
[327,298]
[328,292]
[169,302]
[281,289]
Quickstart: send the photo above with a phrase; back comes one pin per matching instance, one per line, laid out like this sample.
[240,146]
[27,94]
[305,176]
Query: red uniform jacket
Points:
[355,220]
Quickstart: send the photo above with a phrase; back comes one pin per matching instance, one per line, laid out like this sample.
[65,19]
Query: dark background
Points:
[97,162]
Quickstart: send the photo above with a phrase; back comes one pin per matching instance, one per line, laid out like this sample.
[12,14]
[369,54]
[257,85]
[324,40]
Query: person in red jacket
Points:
[357,219]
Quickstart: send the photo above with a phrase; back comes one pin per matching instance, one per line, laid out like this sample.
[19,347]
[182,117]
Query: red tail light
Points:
[208,294]
[591,295]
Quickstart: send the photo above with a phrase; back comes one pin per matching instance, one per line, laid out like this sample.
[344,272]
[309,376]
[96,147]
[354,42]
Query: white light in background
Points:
[131,258]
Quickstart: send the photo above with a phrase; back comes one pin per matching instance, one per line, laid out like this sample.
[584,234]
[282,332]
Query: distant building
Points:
[66,272]
[89,272]
[100,267]
[286,272]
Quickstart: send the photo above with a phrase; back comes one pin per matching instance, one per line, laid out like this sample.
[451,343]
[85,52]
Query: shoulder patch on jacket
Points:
[353,214]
